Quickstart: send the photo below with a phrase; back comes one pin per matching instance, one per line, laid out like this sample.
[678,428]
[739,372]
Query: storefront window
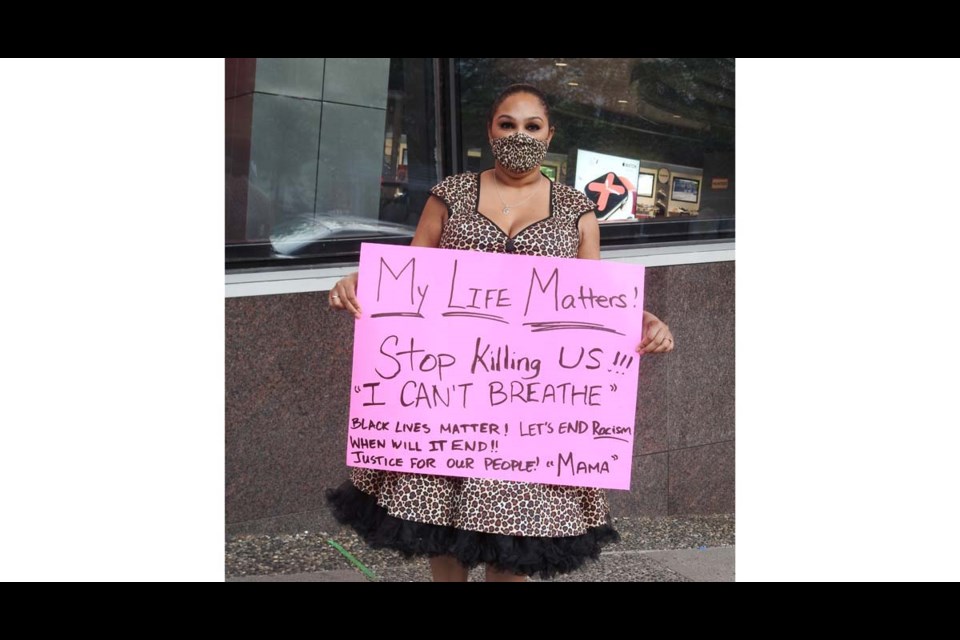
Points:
[650,140]
[323,153]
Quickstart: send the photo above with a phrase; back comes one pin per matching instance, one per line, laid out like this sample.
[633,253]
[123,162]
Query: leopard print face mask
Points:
[518,152]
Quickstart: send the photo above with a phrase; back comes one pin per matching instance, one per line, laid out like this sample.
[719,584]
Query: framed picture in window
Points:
[550,170]
[686,190]
[645,184]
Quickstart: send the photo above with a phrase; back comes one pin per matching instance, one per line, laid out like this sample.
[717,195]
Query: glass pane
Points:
[322,153]
[651,140]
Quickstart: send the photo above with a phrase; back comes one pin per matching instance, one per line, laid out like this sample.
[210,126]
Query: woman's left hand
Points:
[656,335]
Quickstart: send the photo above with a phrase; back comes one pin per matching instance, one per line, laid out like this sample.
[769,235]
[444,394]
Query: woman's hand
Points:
[656,335]
[344,294]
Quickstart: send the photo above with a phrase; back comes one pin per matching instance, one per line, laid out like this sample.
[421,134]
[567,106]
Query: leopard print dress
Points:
[539,513]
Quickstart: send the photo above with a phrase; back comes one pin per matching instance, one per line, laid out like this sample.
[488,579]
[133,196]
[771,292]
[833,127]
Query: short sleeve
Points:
[446,189]
[581,205]
[584,204]
[591,209]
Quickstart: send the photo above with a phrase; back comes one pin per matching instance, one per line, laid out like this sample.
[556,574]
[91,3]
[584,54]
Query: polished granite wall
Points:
[287,387]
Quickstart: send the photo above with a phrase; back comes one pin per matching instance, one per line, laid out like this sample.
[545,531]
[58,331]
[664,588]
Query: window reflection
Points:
[325,152]
[648,139]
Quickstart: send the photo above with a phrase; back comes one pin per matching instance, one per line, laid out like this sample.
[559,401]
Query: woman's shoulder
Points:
[572,200]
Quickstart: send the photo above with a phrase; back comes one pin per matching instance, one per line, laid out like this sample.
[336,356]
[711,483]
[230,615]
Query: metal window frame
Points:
[305,280]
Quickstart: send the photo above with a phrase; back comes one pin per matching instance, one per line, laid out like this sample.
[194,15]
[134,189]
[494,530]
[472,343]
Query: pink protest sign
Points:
[495,366]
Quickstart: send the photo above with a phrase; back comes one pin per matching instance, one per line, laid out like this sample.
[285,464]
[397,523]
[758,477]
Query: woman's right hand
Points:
[344,294]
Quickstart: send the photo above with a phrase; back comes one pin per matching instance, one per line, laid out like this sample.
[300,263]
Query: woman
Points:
[462,522]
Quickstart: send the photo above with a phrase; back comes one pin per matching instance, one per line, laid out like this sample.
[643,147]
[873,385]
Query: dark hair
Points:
[519,88]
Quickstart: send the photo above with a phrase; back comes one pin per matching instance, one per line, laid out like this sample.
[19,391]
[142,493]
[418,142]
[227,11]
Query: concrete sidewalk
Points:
[662,549]
[714,564]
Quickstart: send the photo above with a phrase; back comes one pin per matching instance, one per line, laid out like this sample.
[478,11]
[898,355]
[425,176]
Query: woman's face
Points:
[521,112]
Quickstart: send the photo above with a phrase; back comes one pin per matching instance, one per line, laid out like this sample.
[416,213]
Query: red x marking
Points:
[605,190]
